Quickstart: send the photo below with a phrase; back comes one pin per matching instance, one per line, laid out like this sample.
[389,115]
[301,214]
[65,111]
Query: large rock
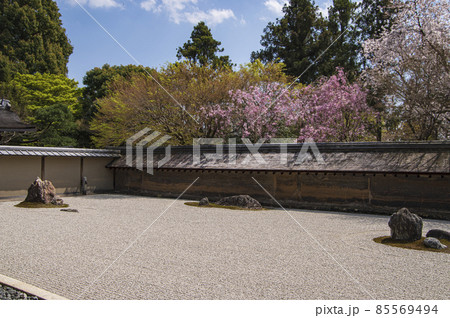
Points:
[405,226]
[203,202]
[43,192]
[242,201]
[432,242]
[439,234]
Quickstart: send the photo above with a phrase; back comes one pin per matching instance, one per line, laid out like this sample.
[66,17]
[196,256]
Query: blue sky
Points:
[152,30]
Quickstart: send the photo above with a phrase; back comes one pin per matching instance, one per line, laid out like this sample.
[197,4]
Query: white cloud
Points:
[276,6]
[176,8]
[187,11]
[324,8]
[149,5]
[97,3]
[212,17]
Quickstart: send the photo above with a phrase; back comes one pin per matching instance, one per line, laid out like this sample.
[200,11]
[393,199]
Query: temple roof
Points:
[10,121]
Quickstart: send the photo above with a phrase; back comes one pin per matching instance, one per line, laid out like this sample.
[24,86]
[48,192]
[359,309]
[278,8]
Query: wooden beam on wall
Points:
[81,175]
[43,168]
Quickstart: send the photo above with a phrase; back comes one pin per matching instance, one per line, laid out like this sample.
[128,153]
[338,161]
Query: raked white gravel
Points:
[207,253]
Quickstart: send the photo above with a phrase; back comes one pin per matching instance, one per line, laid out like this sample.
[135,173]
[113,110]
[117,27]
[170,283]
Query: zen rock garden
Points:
[406,227]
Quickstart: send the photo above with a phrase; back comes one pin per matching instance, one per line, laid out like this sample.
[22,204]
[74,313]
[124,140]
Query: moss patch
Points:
[37,205]
[417,245]
[213,205]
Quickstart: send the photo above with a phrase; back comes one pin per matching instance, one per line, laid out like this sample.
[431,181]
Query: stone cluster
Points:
[241,201]
[407,226]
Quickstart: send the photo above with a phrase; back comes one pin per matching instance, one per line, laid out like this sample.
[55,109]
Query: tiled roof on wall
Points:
[57,152]
[431,157]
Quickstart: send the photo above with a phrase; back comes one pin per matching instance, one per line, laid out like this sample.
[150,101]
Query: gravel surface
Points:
[9,293]
[208,253]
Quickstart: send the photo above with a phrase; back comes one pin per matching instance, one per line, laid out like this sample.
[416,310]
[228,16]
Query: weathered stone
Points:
[432,242]
[439,234]
[43,192]
[242,201]
[69,210]
[204,201]
[405,226]
[57,201]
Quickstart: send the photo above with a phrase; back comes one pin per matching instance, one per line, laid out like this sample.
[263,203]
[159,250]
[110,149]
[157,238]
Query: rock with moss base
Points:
[432,242]
[43,192]
[439,234]
[203,202]
[242,201]
[405,226]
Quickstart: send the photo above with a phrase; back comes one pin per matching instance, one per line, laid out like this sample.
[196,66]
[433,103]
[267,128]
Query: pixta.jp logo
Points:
[149,141]
[140,152]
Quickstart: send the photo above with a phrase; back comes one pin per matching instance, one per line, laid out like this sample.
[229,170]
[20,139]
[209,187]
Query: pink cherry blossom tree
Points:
[329,110]
[258,112]
[334,110]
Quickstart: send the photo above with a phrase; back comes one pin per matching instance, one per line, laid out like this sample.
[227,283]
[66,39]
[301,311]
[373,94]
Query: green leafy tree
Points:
[202,48]
[97,83]
[51,103]
[293,40]
[56,125]
[8,69]
[32,38]
[140,102]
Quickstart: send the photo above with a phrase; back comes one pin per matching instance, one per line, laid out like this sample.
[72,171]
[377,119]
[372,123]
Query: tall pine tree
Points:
[339,40]
[32,38]
[293,40]
[202,48]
